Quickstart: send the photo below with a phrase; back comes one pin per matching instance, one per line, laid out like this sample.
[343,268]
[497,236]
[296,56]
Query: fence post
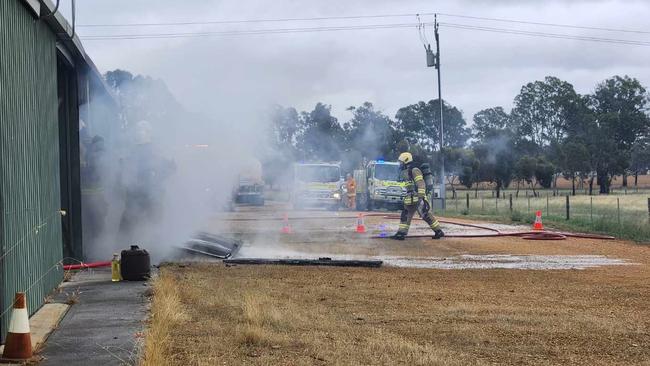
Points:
[618,211]
[591,209]
[482,204]
[497,204]
[548,212]
[510,202]
[467,199]
[567,207]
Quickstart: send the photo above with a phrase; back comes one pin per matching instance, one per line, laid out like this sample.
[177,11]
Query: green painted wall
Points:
[30,222]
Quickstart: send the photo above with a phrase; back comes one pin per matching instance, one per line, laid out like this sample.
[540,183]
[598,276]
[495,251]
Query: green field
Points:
[618,214]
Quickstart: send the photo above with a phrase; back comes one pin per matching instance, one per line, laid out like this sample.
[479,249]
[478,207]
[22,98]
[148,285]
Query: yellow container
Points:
[115,268]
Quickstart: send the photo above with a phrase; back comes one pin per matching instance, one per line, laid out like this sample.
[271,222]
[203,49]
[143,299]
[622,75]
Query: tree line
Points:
[551,131]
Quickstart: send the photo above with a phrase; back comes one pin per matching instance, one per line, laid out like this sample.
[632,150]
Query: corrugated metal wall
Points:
[30,223]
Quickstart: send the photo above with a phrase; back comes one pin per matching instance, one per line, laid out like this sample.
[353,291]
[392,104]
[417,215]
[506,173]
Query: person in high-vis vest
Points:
[415,199]
[351,187]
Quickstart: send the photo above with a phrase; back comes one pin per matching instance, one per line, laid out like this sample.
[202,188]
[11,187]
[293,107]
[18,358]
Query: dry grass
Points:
[282,315]
[167,312]
[72,297]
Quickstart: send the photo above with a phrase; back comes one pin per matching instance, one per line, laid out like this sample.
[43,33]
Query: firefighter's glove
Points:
[425,206]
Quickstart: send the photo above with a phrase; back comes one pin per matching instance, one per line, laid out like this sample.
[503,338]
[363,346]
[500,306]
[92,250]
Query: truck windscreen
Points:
[320,174]
[387,172]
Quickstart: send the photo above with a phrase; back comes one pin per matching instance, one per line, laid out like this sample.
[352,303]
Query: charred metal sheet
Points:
[308,262]
[213,245]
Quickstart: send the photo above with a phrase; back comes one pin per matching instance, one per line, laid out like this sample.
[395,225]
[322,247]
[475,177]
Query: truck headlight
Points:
[336,196]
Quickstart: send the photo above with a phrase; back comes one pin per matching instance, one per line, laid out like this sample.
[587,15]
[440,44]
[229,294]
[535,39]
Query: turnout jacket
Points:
[415,186]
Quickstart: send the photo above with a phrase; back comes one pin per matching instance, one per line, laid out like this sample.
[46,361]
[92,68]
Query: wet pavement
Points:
[103,327]
[317,233]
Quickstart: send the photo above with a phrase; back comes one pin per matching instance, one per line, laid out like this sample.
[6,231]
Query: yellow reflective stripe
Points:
[418,178]
[422,190]
[435,224]
[403,226]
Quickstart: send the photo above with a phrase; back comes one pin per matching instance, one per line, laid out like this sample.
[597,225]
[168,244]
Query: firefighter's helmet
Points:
[405,158]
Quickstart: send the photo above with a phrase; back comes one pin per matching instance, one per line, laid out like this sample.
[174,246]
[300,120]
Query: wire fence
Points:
[614,213]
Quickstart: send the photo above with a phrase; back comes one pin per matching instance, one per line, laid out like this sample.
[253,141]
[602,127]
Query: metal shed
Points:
[45,76]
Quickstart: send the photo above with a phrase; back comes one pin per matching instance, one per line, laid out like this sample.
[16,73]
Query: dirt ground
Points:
[231,315]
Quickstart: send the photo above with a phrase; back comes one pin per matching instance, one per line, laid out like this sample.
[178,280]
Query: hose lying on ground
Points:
[528,235]
[69,267]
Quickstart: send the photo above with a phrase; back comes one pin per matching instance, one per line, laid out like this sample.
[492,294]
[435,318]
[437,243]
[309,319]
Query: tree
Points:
[369,132]
[419,124]
[453,166]
[544,110]
[488,120]
[544,172]
[496,160]
[469,170]
[618,106]
[574,162]
[524,170]
[320,135]
[285,123]
[640,161]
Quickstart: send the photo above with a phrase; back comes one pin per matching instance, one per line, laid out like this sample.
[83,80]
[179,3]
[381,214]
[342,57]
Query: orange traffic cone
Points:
[19,343]
[538,221]
[361,227]
[286,228]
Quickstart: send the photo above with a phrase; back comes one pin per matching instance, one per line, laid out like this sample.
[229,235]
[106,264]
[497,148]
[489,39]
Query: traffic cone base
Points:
[18,345]
[361,227]
[538,221]
[286,228]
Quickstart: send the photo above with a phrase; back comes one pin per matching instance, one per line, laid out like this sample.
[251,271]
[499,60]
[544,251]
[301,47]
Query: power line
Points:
[353,17]
[250,32]
[244,21]
[362,27]
[546,24]
[546,35]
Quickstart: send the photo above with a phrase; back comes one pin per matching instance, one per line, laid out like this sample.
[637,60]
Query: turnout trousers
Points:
[407,216]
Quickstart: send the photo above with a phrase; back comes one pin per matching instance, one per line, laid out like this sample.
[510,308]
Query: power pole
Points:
[433,60]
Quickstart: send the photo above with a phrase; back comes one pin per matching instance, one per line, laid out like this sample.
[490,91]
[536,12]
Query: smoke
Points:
[162,171]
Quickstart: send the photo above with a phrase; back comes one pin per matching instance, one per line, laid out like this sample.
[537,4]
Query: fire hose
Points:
[70,267]
[528,235]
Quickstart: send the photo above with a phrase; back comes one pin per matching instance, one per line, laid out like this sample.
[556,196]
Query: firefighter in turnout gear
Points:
[415,199]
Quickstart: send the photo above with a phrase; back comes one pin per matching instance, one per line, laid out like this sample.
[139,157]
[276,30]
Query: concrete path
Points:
[104,327]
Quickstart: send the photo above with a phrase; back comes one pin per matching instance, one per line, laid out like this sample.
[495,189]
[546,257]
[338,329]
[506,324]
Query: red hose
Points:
[69,267]
[528,235]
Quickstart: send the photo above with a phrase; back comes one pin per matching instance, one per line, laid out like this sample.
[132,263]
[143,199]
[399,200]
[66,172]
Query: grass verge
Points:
[166,313]
[634,230]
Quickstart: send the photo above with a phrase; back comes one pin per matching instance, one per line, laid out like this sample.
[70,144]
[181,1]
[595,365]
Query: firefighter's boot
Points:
[400,235]
[438,234]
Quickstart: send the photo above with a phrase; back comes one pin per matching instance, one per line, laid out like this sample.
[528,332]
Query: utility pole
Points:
[433,60]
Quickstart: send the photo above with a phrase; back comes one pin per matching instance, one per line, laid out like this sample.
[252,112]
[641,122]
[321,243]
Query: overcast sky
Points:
[386,67]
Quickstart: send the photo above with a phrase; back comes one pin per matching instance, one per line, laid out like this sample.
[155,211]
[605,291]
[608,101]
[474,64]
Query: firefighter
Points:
[351,186]
[415,199]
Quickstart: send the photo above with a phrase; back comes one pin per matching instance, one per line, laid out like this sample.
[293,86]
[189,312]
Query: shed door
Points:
[69,157]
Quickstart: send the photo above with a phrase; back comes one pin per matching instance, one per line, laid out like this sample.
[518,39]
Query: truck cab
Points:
[249,187]
[378,185]
[317,185]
